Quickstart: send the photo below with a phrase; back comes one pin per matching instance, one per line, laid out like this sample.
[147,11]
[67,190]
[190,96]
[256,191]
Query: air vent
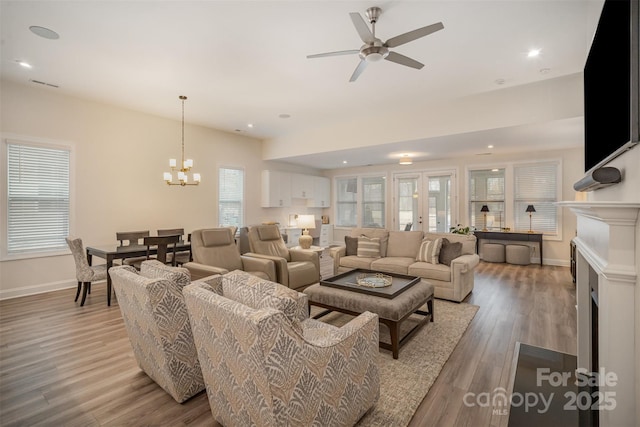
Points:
[43,83]
[483,154]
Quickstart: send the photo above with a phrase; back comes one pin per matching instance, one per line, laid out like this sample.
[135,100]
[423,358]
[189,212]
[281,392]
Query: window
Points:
[346,202]
[373,201]
[231,197]
[486,187]
[38,197]
[537,185]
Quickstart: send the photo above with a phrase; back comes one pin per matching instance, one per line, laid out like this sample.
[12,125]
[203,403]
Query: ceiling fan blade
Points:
[340,52]
[359,69]
[403,60]
[361,27]
[413,35]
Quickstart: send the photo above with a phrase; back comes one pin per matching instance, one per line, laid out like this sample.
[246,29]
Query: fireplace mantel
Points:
[606,240]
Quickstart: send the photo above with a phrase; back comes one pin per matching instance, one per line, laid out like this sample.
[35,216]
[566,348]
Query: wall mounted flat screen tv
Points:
[611,84]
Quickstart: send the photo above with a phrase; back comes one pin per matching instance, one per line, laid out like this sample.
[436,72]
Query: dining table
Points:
[115,251]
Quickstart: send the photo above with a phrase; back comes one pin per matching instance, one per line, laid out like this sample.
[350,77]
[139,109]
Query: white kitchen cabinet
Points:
[276,189]
[302,186]
[321,192]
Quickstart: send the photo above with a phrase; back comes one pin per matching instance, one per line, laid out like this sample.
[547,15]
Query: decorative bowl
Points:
[374,280]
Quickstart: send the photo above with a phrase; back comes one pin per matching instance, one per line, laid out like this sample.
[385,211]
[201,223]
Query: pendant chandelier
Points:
[185,165]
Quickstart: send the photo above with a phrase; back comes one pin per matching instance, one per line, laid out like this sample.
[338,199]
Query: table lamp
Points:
[530,209]
[485,209]
[306,222]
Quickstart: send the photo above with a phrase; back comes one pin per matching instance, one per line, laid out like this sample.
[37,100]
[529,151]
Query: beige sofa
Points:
[399,250]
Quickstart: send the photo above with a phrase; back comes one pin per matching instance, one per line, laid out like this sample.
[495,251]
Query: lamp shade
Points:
[306,221]
[484,208]
[530,208]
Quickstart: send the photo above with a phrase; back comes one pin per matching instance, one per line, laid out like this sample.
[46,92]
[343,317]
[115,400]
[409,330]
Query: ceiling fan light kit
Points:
[373,49]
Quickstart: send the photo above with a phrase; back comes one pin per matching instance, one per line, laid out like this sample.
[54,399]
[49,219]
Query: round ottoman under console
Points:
[493,252]
[518,254]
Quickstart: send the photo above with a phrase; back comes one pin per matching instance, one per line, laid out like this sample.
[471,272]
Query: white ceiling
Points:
[243,62]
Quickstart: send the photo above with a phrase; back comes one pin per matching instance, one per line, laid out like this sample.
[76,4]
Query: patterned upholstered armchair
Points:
[215,252]
[266,363]
[295,269]
[157,323]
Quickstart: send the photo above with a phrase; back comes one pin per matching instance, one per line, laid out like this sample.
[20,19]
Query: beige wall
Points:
[556,252]
[119,159]
[120,156]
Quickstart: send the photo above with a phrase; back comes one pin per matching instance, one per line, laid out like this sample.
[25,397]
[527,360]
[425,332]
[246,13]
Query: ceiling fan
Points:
[374,49]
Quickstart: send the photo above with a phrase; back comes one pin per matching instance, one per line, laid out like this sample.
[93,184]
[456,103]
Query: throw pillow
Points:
[369,247]
[351,245]
[449,251]
[429,251]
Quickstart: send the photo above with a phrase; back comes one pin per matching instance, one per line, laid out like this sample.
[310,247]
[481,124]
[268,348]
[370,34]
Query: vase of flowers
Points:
[459,229]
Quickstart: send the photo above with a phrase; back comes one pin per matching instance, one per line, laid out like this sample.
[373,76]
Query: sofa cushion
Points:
[429,251]
[449,251]
[351,245]
[368,247]
[398,265]
[427,271]
[404,243]
[356,262]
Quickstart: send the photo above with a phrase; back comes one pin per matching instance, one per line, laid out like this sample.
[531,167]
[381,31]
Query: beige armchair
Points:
[214,251]
[295,268]
[157,323]
[264,364]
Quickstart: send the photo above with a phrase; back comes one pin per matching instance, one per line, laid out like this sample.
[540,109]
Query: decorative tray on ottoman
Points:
[385,285]
[374,280]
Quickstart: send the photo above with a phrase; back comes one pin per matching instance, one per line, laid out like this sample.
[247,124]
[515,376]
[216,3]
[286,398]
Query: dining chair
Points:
[182,257]
[132,238]
[85,273]
[166,248]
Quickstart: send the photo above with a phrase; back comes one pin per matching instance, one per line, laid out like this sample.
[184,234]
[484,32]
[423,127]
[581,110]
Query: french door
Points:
[425,201]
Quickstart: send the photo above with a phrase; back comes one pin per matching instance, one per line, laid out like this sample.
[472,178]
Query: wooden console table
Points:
[509,235]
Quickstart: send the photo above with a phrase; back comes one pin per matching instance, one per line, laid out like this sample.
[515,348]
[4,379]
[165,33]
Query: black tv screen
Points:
[610,84]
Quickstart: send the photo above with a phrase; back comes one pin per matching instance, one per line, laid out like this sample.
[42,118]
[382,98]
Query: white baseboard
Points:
[38,289]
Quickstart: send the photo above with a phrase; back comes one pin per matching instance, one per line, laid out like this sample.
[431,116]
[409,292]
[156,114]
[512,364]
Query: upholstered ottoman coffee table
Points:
[393,304]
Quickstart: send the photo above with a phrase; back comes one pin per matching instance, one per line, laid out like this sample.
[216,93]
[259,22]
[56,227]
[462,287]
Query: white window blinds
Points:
[37,198]
[373,201]
[346,202]
[486,188]
[231,197]
[537,185]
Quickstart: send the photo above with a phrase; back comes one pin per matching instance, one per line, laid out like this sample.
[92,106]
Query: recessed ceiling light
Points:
[405,159]
[24,64]
[284,116]
[494,170]
[44,32]
[489,146]
[533,53]
[344,162]
[250,125]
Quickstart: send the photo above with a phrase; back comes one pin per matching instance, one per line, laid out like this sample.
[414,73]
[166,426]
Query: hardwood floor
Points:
[62,364]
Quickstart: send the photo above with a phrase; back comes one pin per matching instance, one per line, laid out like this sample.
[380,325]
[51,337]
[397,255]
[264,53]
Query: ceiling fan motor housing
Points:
[375,52]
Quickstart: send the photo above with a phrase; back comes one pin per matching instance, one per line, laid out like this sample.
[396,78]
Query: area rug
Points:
[405,382]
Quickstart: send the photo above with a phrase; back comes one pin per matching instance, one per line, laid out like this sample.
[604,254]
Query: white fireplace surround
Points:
[607,234]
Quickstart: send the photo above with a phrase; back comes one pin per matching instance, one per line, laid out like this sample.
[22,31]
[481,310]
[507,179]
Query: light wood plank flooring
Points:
[62,364]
